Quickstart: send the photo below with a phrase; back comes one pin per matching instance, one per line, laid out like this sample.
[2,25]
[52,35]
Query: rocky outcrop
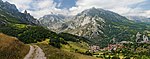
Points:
[53,21]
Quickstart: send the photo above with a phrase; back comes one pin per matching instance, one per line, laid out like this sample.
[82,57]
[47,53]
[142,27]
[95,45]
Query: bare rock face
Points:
[138,35]
[25,12]
[8,7]
[145,38]
[53,21]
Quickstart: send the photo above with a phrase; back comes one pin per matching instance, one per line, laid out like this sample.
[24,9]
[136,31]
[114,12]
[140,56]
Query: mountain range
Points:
[96,24]
[57,36]
[19,29]
[139,19]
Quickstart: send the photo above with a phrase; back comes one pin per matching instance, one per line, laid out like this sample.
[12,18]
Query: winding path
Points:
[35,53]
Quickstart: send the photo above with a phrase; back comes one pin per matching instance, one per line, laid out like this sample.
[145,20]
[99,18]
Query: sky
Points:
[39,8]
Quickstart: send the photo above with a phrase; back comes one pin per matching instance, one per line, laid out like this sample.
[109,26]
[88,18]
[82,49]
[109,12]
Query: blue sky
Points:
[145,5]
[39,8]
[62,4]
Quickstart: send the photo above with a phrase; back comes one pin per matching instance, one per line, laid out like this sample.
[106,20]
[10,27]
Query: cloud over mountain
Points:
[39,8]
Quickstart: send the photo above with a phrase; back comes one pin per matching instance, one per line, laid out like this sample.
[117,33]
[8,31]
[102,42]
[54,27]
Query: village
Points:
[115,46]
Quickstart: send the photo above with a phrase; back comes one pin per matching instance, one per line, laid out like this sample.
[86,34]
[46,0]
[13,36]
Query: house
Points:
[94,48]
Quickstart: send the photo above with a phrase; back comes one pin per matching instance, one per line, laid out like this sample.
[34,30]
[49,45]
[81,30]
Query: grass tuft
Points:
[12,48]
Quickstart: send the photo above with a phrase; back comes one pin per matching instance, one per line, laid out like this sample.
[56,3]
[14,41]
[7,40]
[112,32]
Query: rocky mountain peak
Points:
[9,7]
[53,18]
[92,11]
[25,12]
[52,21]
[12,10]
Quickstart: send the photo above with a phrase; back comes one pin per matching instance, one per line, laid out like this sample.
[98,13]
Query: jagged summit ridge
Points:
[92,11]
[8,7]
[12,10]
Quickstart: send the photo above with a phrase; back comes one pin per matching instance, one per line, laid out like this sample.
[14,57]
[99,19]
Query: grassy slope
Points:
[54,53]
[12,48]
[5,16]
[78,46]
[30,31]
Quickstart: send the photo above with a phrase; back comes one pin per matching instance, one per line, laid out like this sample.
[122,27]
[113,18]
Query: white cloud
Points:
[39,8]
[20,4]
[140,13]
[42,12]
[122,7]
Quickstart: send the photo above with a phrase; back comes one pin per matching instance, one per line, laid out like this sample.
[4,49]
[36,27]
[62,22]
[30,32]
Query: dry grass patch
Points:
[12,48]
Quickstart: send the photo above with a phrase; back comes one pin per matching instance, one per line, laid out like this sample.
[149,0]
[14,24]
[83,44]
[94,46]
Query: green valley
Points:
[93,33]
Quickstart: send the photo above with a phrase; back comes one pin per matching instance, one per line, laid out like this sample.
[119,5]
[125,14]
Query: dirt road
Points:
[35,53]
